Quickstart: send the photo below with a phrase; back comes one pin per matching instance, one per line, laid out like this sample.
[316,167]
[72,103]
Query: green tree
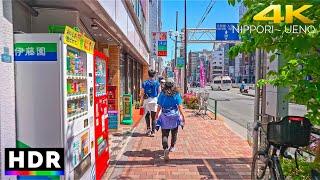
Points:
[301,52]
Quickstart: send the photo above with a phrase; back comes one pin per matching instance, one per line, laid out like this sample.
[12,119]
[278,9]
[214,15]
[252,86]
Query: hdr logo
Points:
[34,161]
[290,13]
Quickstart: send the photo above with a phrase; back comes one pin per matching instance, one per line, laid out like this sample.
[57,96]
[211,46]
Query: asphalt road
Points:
[239,108]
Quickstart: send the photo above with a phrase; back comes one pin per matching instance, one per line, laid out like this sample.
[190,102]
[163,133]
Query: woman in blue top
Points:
[172,115]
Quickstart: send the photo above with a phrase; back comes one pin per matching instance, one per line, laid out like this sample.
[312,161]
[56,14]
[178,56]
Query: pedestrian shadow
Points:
[220,168]
[144,153]
[123,178]
[138,134]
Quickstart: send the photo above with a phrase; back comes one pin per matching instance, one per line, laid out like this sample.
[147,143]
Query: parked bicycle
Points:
[203,98]
[290,132]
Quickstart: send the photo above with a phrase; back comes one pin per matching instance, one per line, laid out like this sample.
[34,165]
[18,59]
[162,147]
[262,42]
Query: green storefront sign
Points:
[35,51]
[127,109]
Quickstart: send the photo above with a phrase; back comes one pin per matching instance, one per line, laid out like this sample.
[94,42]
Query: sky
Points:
[221,12]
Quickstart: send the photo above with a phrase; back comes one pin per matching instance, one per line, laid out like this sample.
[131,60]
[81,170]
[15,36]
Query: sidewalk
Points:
[206,149]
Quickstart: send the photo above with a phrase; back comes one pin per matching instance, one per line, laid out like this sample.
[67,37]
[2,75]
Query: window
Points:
[217,82]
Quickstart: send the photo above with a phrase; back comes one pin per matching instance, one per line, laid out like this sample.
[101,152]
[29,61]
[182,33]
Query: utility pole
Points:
[185,46]
[256,101]
[176,42]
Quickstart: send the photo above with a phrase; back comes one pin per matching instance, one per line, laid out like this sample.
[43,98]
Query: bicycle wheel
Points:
[259,165]
[277,169]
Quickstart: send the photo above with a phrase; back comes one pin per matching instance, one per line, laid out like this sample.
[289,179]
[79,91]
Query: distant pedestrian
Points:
[149,99]
[171,115]
[242,86]
[162,83]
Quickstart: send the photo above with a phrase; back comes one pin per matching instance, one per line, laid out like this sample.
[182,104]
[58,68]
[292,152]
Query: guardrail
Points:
[216,105]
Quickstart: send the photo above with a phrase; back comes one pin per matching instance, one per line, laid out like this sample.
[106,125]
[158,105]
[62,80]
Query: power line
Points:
[205,15]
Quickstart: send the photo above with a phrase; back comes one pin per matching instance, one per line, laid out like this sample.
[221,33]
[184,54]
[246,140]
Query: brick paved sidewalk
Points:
[206,149]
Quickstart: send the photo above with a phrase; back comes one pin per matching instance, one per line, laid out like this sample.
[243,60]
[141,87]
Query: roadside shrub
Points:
[305,165]
[190,101]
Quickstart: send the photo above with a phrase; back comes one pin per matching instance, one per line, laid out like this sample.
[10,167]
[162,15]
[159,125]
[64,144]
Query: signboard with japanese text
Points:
[127,106]
[78,40]
[35,51]
[227,32]
[159,43]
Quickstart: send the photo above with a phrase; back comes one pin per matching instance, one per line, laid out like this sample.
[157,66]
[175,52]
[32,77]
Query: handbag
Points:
[141,110]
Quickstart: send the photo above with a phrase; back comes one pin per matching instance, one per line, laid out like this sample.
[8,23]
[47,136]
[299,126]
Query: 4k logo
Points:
[290,14]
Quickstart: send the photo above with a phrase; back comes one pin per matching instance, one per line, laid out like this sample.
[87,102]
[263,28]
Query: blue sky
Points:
[221,12]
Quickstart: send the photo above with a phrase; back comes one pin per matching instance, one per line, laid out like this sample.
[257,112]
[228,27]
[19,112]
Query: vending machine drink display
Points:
[54,97]
[101,114]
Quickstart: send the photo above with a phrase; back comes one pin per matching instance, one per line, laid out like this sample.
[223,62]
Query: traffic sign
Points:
[180,62]
[227,32]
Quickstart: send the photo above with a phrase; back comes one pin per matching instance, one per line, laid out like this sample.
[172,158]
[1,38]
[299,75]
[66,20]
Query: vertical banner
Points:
[202,75]
[154,44]
[159,43]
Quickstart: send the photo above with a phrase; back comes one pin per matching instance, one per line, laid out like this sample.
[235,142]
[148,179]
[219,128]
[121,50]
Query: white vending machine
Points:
[54,98]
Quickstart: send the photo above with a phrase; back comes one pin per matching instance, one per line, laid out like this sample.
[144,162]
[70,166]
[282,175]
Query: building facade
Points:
[120,30]
[7,85]
[217,63]
[247,65]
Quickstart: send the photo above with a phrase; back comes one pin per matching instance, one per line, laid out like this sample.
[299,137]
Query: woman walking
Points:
[171,117]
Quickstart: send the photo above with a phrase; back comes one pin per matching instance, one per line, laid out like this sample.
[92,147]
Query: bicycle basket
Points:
[291,131]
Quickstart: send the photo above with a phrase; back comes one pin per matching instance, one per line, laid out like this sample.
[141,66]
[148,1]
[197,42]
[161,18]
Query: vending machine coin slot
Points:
[91,96]
[85,123]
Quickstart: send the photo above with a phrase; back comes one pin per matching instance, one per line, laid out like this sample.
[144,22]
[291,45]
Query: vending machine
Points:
[54,97]
[101,114]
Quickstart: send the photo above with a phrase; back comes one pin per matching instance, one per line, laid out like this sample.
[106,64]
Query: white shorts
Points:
[150,104]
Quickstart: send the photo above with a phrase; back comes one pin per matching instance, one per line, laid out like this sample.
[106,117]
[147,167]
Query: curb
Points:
[246,94]
[224,119]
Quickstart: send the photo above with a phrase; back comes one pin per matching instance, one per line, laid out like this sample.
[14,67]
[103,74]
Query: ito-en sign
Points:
[290,14]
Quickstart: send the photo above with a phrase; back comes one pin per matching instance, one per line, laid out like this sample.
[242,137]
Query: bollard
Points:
[215,109]
[216,106]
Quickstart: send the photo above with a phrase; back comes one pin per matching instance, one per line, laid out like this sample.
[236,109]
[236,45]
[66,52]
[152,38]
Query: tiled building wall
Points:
[7,92]
[114,66]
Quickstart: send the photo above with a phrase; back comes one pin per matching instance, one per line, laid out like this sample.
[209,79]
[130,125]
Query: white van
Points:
[221,83]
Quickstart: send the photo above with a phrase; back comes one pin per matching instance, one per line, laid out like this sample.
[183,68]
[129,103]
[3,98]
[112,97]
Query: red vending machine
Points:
[101,114]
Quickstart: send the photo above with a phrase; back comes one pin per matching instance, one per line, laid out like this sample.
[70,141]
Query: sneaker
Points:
[152,134]
[148,133]
[172,149]
[166,154]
